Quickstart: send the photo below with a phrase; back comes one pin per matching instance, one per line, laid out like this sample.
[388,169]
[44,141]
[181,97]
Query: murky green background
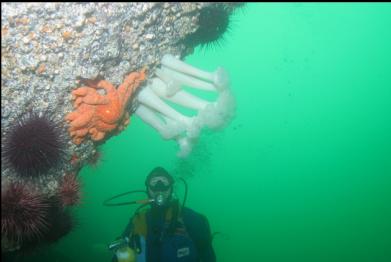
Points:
[303,171]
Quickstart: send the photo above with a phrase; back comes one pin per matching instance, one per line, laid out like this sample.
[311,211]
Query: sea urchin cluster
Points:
[33,145]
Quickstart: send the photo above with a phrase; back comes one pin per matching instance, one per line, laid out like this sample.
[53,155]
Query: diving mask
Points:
[160,190]
[159,184]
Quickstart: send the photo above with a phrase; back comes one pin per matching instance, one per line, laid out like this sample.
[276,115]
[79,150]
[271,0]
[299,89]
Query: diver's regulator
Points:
[159,199]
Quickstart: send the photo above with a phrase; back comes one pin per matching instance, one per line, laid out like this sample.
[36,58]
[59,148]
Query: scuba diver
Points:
[165,232]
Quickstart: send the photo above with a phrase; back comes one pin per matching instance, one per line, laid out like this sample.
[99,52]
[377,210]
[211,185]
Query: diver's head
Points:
[159,185]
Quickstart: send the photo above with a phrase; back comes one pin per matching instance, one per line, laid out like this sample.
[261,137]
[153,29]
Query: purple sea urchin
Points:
[95,159]
[69,190]
[33,145]
[213,22]
[23,214]
[60,223]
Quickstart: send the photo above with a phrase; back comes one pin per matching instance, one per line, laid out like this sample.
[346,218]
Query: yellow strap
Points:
[140,224]
[140,221]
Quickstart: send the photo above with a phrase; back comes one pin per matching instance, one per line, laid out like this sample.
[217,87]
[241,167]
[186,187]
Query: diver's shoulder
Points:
[187,210]
[189,213]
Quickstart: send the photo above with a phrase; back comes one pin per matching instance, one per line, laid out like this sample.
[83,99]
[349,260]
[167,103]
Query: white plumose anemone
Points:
[167,88]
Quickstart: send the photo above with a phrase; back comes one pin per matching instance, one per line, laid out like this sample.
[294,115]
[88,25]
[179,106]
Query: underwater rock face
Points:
[47,47]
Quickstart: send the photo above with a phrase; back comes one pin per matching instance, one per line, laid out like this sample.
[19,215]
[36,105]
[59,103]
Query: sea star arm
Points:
[96,135]
[131,82]
[80,132]
[80,118]
[105,127]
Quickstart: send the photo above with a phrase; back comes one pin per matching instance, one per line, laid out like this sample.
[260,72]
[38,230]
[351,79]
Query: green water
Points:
[303,171]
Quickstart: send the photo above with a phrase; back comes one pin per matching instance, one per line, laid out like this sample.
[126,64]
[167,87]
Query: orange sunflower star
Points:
[98,114]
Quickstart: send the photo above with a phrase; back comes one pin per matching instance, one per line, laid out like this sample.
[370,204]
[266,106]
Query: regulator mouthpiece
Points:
[160,200]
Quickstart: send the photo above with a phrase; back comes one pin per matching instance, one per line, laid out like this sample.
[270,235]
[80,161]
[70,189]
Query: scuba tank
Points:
[122,250]
[125,254]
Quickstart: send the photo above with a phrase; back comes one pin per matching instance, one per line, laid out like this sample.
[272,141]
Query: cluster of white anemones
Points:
[167,88]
